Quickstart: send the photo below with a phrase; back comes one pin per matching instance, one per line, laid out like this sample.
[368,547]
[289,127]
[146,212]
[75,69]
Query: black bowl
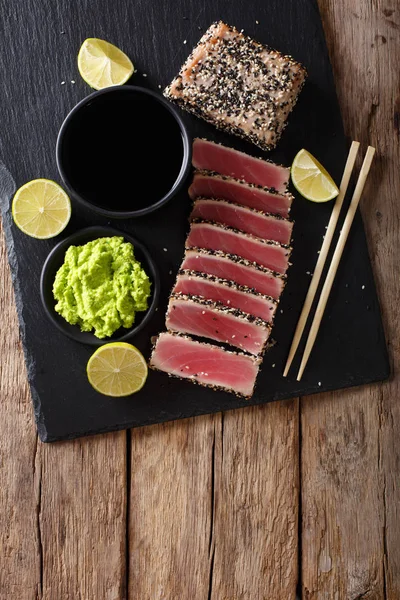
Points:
[62,150]
[56,258]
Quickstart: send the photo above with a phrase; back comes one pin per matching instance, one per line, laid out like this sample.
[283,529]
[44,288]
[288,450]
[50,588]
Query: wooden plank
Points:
[83,518]
[20,572]
[255,533]
[171,501]
[213,507]
[350,453]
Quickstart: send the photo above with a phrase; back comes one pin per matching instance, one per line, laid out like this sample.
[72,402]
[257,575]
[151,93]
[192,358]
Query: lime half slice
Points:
[117,369]
[41,209]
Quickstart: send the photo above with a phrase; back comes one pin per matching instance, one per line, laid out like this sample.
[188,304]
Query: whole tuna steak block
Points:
[210,156]
[205,364]
[208,184]
[213,236]
[192,283]
[208,319]
[235,268]
[239,85]
[249,220]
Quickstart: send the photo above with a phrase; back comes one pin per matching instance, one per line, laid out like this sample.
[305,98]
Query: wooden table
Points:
[245,505]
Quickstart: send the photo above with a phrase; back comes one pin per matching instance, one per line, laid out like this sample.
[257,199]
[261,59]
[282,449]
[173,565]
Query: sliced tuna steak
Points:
[235,268]
[192,283]
[213,236]
[207,319]
[249,220]
[227,161]
[206,364]
[207,184]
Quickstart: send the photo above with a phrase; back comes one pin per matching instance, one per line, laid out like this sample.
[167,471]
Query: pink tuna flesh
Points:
[213,236]
[269,227]
[226,292]
[227,161]
[235,269]
[203,318]
[211,185]
[205,363]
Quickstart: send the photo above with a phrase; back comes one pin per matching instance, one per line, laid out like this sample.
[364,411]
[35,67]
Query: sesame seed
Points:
[170,272]
[203,312]
[63,83]
[144,74]
[233,336]
[159,86]
[273,366]
[185,41]
[363,287]
[165,249]
[72,80]
[319,383]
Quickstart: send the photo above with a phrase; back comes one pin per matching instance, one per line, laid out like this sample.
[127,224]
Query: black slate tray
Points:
[40,42]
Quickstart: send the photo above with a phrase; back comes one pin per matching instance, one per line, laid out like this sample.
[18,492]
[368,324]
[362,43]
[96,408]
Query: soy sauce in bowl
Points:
[123,151]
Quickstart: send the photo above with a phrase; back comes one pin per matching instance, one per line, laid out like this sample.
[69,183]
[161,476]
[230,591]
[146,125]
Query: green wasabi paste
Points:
[101,286]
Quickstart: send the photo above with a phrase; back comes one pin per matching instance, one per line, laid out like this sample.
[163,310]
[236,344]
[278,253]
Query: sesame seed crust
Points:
[239,85]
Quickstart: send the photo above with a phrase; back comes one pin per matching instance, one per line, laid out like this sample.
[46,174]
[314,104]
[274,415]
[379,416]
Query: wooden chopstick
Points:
[336,259]
[351,159]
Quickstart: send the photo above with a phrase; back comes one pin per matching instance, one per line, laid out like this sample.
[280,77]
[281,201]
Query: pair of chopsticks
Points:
[351,159]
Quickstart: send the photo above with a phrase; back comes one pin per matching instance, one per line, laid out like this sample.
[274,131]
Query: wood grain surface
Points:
[209,508]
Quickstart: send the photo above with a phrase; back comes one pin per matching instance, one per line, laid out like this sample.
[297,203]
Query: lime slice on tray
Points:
[117,369]
[41,209]
[102,64]
[311,179]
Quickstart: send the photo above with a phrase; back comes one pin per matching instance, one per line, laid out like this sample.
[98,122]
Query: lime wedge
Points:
[311,179]
[41,209]
[117,369]
[103,65]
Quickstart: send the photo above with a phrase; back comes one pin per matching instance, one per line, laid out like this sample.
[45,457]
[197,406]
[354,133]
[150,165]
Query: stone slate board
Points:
[40,42]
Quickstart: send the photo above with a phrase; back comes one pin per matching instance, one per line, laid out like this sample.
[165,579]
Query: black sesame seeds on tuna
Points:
[239,85]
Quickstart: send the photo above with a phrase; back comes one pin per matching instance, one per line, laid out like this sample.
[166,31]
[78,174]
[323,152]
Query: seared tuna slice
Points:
[210,156]
[249,220]
[192,283]
[207,319]
[206,364]
[213,236]
[235,268]
[239,85]
[208,184]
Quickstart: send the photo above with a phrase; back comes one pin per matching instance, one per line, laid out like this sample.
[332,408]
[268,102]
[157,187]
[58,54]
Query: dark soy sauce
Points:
[123,151]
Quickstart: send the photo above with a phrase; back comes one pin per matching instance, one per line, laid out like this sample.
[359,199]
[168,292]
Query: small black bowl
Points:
[56,258]
[109,103]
